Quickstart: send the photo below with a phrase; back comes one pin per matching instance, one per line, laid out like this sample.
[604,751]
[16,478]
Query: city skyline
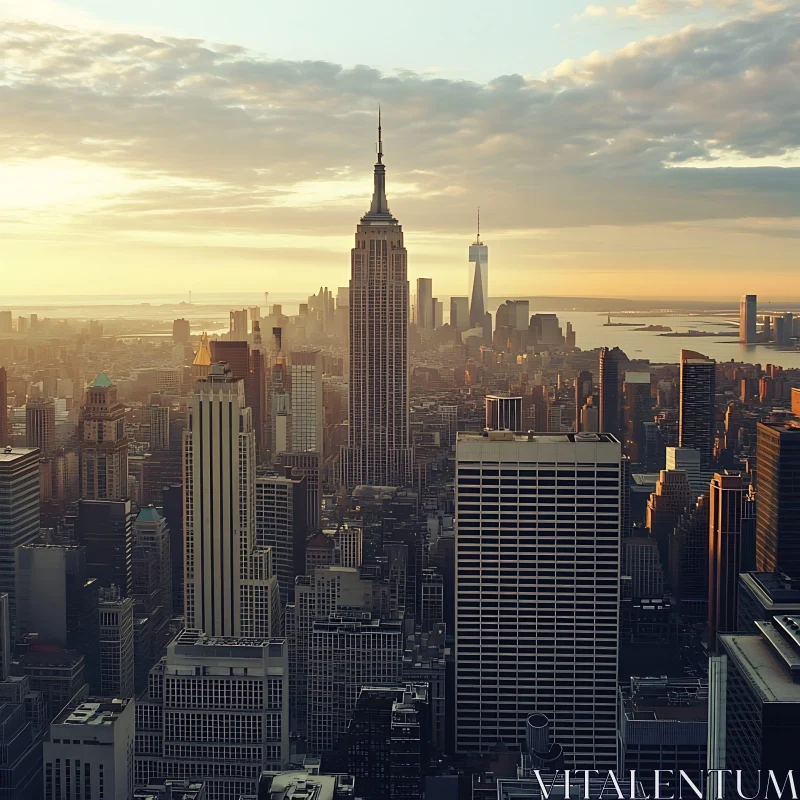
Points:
[193,165]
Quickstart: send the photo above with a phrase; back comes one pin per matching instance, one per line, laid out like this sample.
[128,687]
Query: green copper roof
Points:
[102,381]
[148,514]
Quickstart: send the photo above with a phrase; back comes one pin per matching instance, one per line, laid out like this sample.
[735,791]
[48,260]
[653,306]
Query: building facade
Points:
[696,412]
[216,710]
[378,451]
[537,590]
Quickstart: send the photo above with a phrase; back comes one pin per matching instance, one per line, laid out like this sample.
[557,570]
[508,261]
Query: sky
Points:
[637,148]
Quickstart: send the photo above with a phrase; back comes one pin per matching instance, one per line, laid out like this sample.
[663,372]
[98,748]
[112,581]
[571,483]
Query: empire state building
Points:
[378,451]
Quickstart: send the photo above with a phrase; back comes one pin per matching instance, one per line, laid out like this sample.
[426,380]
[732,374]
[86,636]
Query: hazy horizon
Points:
[636,150]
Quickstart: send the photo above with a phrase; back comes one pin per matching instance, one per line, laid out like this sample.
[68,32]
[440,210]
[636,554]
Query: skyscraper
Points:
[378,450]
[637,407]
[537,588]
[778,507]
[503,413]
[40,426]
[478,285]
[459,313]
[217,711]
[697,421]
[612,368]
[229,585]
[748,310]
[425,303]
[3,407]
[102,770]
[105,529]
[305,369]
[19,513]
[104,446]
[725,548]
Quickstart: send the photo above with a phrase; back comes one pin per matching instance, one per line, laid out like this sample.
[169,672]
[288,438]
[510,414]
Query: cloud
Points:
[649,9]
[168,142]
[590,12]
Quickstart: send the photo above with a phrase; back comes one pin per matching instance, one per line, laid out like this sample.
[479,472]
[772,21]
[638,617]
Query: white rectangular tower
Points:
[537,590]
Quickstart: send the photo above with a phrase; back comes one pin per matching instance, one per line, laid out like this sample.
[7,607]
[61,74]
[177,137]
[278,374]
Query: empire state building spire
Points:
[379,209]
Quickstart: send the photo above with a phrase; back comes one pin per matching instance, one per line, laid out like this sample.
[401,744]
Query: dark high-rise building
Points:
[697,420]
[664,726]
[181,331]
[104,446]
[754,705]
[778,508]
[40,426]
[248,366]
[172,510]
[425,303]
[583,391]
[765,595]
[378,451]
[727,530]
[19,513]
[3,407]
[105,529]
[58,601]
[503,413]
[612,368]
[688,554]
[20,754]
[748,310]
[637,408]
[388,741]
[459,313]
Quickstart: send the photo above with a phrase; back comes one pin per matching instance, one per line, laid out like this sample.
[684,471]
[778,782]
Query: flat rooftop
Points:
[99,711]
[755,656]
[544,438]
[9,455]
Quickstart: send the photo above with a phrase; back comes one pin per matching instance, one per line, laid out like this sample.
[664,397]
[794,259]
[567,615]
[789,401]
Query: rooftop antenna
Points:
[380,140]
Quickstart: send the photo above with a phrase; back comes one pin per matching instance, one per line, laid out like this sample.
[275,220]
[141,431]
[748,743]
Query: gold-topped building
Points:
[201,365]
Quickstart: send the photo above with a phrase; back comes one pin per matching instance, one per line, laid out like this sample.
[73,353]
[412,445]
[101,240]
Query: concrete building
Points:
[764,596]
[5,638]
[671,499]
[216,710]
[19,513]
[59,675]
[696,407]
[40,426]
[116,644]
[281,524]
[641,562]
[308,466]
[748,310]
[307,783]
[171,789]
[754,704]
[103,444]
[688,555]
[317,596]
[503,413]
[612,368]
[728,547]
[57,601]
[687,459]
[663,725]
[378,451]
[388,742]
[105,529]
[778,510]
[561,615]
[459,313]
[425,304]
[20,754]
[4,431]
[305,369]
[229,586]
[88,752]
[349,545]
[348,651]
